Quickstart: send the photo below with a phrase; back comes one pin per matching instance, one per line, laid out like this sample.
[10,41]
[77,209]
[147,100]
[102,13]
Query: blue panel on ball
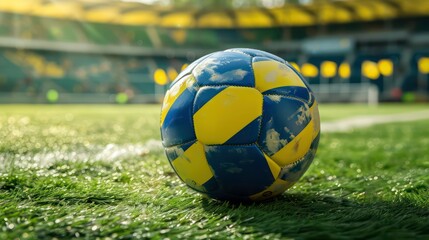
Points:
[213,190]
[177,150]
[239,170]
[211,185]
[225,68]
[283,119]
[256,53]
[261,59]
[205,94]
[247,135]
[294,172]
[312,98]
[189,69]
[293,91]
[178,126]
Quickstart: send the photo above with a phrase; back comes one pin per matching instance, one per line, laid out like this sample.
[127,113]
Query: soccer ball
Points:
[240,124]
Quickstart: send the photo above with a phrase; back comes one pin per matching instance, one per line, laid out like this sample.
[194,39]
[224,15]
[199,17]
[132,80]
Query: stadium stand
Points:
[116,47]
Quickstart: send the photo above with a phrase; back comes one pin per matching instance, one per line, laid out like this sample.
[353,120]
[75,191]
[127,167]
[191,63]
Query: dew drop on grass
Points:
[10,226]
[330,178]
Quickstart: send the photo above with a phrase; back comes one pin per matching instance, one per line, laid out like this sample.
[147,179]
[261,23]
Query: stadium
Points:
[82,85]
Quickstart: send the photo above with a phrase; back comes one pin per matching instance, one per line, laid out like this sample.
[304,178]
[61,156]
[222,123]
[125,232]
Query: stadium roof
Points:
[136,13]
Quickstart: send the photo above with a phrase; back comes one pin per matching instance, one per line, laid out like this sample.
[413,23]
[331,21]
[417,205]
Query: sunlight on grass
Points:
[367,183]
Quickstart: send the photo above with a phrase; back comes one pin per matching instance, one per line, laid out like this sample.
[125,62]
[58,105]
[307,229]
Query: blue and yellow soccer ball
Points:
[240,124]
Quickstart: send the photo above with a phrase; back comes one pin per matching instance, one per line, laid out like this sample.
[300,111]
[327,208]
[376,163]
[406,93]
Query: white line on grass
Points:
[110,153]
[113,153]
[344,125]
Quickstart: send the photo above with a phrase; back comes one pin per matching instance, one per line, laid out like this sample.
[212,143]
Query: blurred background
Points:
[99,51]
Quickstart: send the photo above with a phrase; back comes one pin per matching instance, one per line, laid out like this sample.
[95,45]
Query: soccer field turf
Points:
[78,171]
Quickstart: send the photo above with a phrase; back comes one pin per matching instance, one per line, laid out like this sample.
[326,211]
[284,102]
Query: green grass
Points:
[369,183]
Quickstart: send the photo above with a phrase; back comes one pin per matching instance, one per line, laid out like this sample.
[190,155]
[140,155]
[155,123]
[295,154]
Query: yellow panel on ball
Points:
[273,74]
[274,167]
[226,114]
[297,148]
[314,111]
[278,187]
[192,165]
